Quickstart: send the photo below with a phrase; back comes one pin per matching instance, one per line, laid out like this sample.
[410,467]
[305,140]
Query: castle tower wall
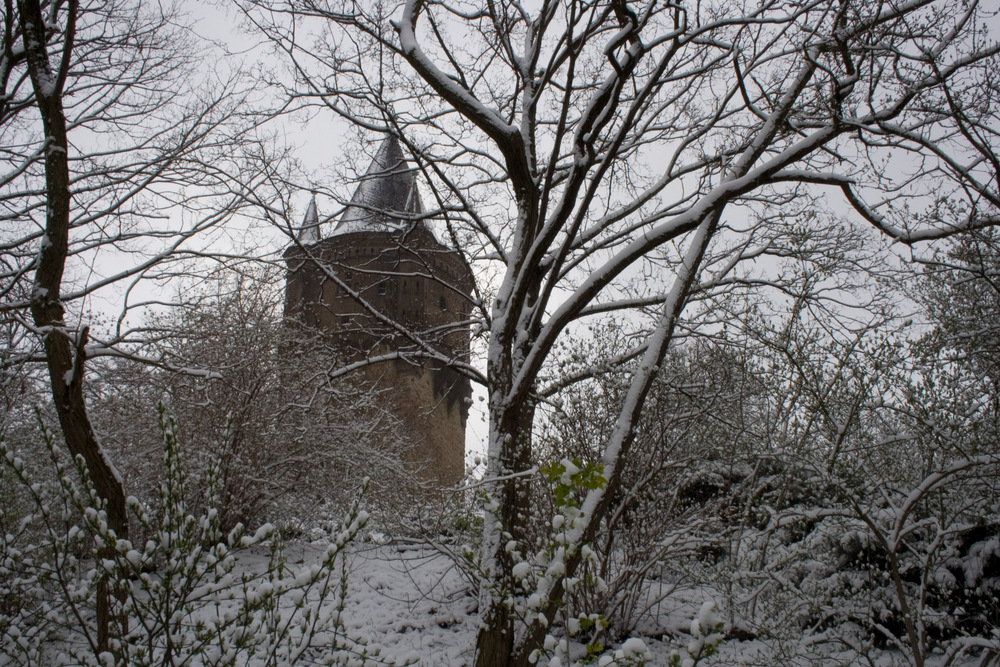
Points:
[410,299]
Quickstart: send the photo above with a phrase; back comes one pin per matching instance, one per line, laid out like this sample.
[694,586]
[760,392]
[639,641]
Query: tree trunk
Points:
[495,642]
[511,423]
[65,365]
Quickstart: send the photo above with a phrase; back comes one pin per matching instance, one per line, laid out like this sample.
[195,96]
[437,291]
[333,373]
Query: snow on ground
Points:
[411,602]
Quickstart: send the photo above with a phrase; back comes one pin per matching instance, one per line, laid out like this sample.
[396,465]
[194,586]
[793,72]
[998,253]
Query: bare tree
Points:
[114,160]
[873,489]
[288,443]
[616,156]
[959,293]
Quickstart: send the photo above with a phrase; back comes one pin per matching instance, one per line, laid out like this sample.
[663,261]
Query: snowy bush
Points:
[190,594]
[706,635]
[297,443]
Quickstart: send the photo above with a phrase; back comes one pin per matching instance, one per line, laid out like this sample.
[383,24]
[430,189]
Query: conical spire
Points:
[309,232]
[386,198]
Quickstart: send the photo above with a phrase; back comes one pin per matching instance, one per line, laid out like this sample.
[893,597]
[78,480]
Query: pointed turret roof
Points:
[309,232]
[387,198]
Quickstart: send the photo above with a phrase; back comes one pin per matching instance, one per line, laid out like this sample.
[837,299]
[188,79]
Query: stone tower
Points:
[404,297]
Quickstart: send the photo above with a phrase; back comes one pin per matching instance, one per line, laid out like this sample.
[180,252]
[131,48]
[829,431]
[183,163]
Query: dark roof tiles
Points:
[386,198]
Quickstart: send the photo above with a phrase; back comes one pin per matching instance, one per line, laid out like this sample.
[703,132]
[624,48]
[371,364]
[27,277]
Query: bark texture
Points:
[65,351]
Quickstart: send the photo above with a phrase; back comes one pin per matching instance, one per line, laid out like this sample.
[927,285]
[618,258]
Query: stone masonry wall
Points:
[418,284]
